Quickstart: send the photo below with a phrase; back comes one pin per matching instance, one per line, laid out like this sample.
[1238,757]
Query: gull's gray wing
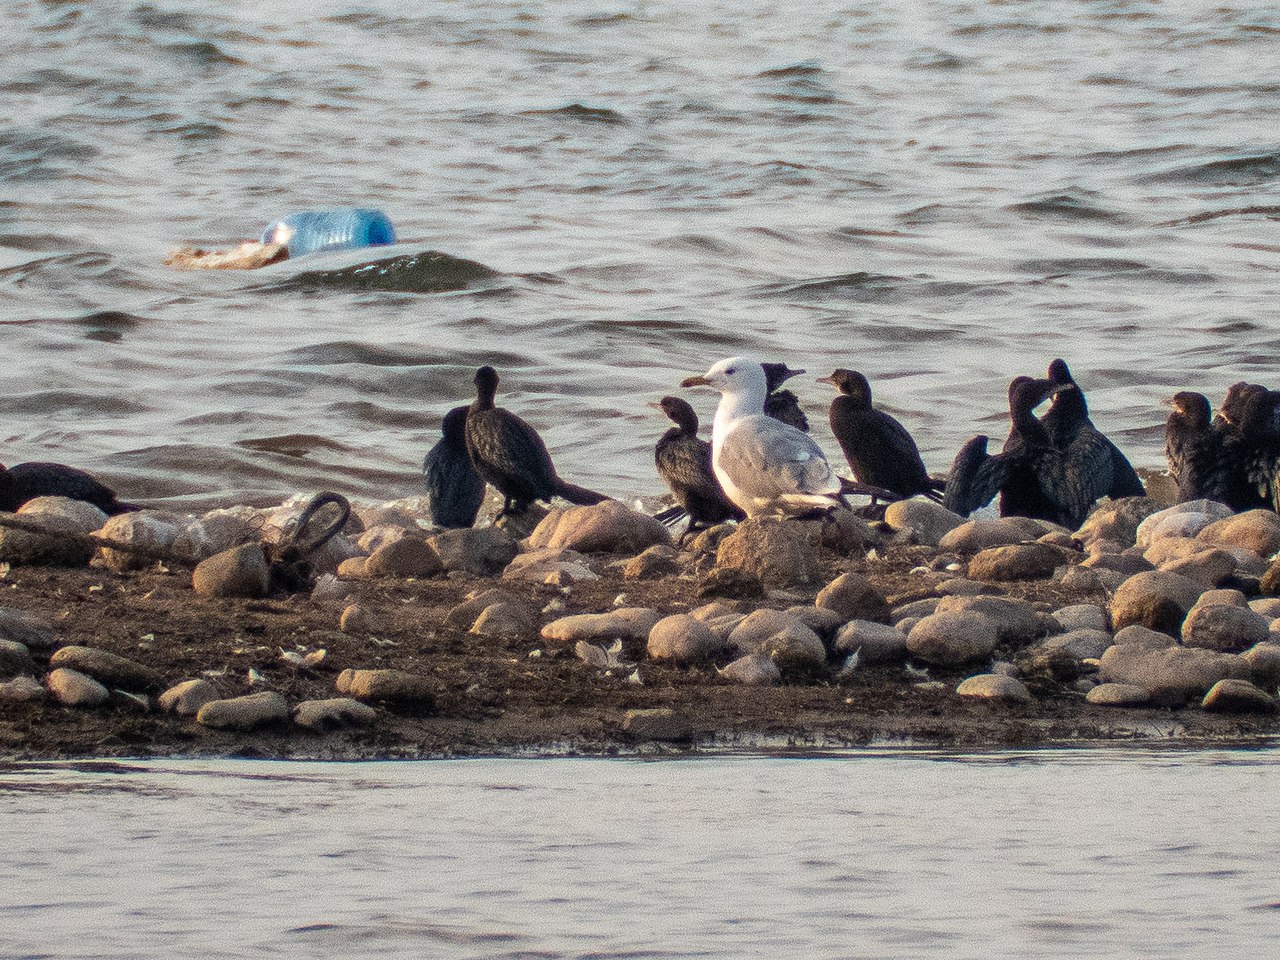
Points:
[766,458]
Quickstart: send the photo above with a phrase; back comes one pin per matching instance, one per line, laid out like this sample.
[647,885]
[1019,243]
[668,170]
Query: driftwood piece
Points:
[247,256]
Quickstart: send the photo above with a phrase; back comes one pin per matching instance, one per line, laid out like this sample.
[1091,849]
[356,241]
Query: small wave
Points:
[580,113]
[363,411]
[69,401]
[428,272]
[294,444]
[193,131]
[863,287]
[1241,171]
[348,351]
[1068,205]
[932,59]
[1069,265]
[1269,212]
[807,68]
[108,326]
[29,155]
[202,53]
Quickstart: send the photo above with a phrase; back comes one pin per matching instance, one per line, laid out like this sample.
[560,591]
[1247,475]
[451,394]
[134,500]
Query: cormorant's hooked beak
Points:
[655,405]
[698,381]
[829,380]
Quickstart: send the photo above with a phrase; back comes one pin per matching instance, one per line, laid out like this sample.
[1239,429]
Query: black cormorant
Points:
[1072,432]
[26,481]
[782,404]
[1194,449]
[684,463]
[509,454]
[455,489]
[879,449]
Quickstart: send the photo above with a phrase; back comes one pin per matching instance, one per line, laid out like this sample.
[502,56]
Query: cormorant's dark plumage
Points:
[782,404]
[26,481]
[455,489]
[1094,457]
[509,454]
[684,463]
[1234,405]
[879,449]
[1194,449]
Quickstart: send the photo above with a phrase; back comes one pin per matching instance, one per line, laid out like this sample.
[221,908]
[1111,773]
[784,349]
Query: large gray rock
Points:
[1080,644]
[1209,568]
[1118,695]
[1081,616]
[1172,675]
[852,596]
[753,670]
[1158,599]
[625,623]
[791,644]
[337,712]
[1015,620]
[928,522]
[1227,628]
[1238,696]
[1022,561]
[58,514]
[33,632]
[506,621]
[107,668]
[875,643]
[973,536]
[73,689]
[244,713]
[1264,661]
[608,527]
[398,689]
[951,639]
[482,552]
[1139,636]
[186,698]
[779,552]
[1118,520]
[1257,531]
[683,639]
[994,686]
[144,530]
[238,572]
[408,556]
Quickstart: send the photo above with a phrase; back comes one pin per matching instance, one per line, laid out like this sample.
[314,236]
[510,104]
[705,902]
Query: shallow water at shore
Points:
[942,194]
[1123,853]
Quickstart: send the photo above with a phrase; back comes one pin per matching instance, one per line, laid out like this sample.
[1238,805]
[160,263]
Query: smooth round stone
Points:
[1173,674]
[1209,568]
[1224,628]
[1081,616]
[754,670]
[608,527]
[22,689]
[106,667]
[464,614]
[1118,695]
[949,639]
[399,688]
[74,689]
[144,530]
[658,723]
[482,552]
[1080,644]
[31,631]
[779,552]
[977,535]
[1221,598]
[652,564]
[1140,636]
[238,572]
[927,521]
[874,643]
[244,713]
[1264,661]
[1238,696]
[852,596]
[1015,620]
[916,609]
[821,621]
[791,644]
[994,686]
[1257,531]
[506,621]
[625,623]
[1157,599]
[186,698]
[55,514]
[408,557]
[1023,561]
[683,639]
[336,712]
[1118,520]
[1161,525]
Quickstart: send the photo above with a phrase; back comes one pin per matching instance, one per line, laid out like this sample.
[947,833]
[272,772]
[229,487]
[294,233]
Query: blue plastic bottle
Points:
[313,230]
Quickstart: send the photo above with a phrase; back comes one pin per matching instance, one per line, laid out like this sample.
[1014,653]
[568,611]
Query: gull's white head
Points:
[736,375]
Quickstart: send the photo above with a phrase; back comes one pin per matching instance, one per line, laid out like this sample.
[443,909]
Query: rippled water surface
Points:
[1053,854]
[942,194]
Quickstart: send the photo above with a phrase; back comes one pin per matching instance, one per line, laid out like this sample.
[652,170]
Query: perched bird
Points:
[684,463]
[879,449]
[455,489]
[783,404]
[1071,431]
[762,464]
[1237,399]
[509,454]
[1252,452]
[1193,447]
[1032,475]
[26,481]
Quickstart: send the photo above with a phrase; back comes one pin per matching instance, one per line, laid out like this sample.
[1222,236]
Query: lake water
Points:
[941,193]
[1114,853]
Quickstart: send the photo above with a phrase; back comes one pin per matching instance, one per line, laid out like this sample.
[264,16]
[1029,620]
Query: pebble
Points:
[791,644]
[409,556]
[994,686]
[1238,696]
[658,723]
[1081,616]
[950,639]
[1118,695]
[1157,599]
[244,713]
[852,597]
[22,689]
[73,689]
[625,623]
[463,616]
[506,621]
[408,692]
[928,522]
[754,670]
[238,572]
[875,643]
[146,529]
[56,513]
[541,564]
[337,712]
[106,667]
[683,639]
[1225,628]
[186,698]
[1023,561]
[354,568]
[1172,675]
[481,552]
[31,631]
[778,552]
[356,619]
[652,564]
[608,527]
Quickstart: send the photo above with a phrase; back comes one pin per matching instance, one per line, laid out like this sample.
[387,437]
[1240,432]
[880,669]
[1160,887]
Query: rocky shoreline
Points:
[589,631]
